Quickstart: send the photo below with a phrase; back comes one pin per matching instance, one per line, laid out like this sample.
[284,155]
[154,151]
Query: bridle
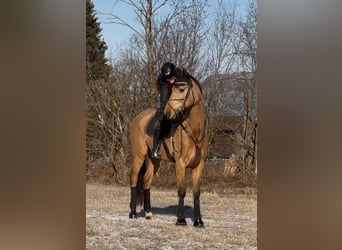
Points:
[189,90]
[183,117]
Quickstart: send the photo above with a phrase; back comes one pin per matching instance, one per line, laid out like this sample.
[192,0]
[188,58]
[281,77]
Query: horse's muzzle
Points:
[174,115]
[169,115]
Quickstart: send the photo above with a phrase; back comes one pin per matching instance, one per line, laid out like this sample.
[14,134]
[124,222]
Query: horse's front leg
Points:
[180,172]
[133,204]
[196,186]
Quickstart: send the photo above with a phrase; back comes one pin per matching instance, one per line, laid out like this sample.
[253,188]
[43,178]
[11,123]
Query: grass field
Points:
[229,215]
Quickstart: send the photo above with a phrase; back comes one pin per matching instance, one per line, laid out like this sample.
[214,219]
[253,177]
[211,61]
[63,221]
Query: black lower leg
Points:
[197,211]
[181,195]
[147,200]
[181,213]
[133,203]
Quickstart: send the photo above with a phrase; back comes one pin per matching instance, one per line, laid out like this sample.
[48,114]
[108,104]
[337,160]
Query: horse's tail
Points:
[139,187]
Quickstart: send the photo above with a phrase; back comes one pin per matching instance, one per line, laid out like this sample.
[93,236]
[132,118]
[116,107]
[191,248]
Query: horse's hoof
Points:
[132,215]
[198,223]
[181,222]
[148,215]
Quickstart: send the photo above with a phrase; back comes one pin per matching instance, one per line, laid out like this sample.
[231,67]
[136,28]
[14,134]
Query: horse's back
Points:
[142,119]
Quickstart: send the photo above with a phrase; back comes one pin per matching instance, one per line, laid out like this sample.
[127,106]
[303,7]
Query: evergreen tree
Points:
[96,65]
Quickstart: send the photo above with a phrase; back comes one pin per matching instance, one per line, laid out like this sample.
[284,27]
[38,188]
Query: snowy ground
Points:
[230,218]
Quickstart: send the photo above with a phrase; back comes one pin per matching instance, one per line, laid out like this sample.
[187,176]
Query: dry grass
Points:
[230,218]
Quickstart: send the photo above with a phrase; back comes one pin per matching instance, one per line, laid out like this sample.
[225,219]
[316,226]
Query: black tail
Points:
[140,188]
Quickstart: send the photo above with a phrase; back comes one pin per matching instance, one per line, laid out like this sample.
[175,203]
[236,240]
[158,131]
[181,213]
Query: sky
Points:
[115,34]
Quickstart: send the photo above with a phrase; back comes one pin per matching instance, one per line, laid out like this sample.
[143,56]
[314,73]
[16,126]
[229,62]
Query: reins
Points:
[196,141]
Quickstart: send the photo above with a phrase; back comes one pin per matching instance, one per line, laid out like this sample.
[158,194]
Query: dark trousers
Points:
[164,97]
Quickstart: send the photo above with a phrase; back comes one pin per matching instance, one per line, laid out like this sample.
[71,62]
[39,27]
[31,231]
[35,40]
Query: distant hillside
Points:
[224,93]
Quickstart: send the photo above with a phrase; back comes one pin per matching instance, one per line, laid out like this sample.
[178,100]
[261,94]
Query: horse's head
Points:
[181,99]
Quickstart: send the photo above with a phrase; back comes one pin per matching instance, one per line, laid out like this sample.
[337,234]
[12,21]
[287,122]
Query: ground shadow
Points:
[172,211]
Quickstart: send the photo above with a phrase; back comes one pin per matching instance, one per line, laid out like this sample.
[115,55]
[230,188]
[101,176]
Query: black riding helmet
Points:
[168,70]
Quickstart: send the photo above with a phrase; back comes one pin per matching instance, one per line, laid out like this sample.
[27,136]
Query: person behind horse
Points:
[168,76]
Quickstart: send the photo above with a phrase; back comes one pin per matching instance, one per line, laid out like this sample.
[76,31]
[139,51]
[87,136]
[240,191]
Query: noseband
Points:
[189,85]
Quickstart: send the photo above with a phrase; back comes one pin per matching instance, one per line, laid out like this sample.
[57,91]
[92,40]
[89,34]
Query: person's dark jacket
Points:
[165,89]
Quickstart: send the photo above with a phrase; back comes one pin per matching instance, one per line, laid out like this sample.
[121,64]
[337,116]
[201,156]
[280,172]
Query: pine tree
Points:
[96,65]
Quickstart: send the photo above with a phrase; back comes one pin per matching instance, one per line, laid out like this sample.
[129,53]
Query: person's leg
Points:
[164,96]
[156,142]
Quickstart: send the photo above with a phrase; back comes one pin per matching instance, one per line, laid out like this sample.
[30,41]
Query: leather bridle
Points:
[189,89]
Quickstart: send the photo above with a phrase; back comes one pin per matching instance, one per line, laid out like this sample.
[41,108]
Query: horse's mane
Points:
[188,76]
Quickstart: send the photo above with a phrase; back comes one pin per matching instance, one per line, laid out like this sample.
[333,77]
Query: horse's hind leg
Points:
[196,184]
[152,166]
[137,164]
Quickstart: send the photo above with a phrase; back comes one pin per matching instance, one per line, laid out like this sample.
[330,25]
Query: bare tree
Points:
[177,31]
[150,40]
[231,63]
[248,39]
[247,55]
[106,127]
[223,42]
[185,36]
[221,62]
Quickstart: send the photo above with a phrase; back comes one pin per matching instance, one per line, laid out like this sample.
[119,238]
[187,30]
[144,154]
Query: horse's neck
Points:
[196,120]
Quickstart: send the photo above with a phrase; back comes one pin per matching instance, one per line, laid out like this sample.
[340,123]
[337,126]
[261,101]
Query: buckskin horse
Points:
[185,144]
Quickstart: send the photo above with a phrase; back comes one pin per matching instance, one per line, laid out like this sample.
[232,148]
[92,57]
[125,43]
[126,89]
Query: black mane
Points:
[188,77]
